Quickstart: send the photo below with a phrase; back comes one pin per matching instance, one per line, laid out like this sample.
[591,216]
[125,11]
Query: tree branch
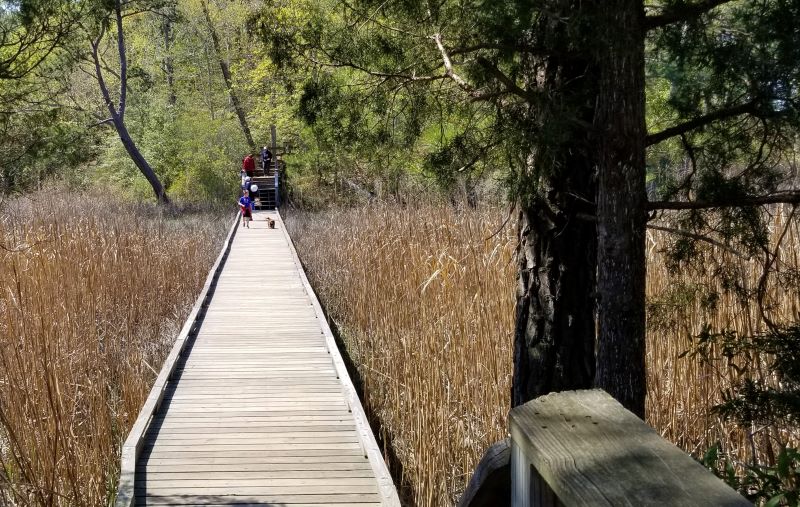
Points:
[123,63]
[701,121]
[681,12]
[698,237]
[510,85]
[99,72]
[448,68]
[100,123]
[785,197]
[515,48]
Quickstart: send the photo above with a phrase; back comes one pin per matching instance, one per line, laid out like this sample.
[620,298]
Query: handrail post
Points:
[277,182]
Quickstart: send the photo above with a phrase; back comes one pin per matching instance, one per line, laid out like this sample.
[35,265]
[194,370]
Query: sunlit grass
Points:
[91,295]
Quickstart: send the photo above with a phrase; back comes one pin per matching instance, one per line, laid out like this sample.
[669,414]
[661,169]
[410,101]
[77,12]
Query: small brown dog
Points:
[270,223]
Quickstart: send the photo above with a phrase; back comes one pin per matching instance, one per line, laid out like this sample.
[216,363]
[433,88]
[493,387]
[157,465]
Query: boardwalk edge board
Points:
[386,486]
[133,444]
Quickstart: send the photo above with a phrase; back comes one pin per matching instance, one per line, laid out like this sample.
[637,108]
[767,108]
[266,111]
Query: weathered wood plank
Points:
[298,458]
[260,472]
[262,500]
[254,440]
[246,485]
[239,490]
[591,451]
[272,503]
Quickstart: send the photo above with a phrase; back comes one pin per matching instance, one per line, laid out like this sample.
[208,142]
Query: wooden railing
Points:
[584,448]
[133,444]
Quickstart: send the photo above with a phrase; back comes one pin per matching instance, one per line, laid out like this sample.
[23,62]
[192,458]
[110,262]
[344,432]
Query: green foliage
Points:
[755,400]
[768,486]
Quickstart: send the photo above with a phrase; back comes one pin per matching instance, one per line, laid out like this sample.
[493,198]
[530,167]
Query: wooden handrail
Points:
[584,448]
[126,493]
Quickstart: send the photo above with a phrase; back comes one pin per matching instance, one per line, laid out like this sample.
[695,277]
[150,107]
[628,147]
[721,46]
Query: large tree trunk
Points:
[557,254]
[621,204]
[226,74]
[554,337]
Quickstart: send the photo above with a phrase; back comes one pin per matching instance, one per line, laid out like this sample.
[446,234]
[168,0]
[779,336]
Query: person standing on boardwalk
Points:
[247,208]
[249,165]
[266,158]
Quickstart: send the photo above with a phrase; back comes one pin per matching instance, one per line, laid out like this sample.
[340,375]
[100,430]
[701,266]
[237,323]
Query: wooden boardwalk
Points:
[258,409]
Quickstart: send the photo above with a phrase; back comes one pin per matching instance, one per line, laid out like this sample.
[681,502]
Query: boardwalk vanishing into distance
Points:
[254,405]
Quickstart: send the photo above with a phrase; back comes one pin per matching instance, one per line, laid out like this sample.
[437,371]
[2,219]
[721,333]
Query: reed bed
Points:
[92,292]
[424,300]
[680,305]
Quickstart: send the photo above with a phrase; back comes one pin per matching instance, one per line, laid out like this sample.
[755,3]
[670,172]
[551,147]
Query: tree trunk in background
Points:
[118,111]
[169,64]
[139,159]
[621,205]
[226,74]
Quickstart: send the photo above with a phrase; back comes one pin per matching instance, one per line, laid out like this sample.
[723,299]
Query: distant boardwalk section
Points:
[254,405]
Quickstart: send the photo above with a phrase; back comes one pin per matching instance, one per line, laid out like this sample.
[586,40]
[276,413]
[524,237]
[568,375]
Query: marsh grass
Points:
[92,293]
[424,299]
[682,303]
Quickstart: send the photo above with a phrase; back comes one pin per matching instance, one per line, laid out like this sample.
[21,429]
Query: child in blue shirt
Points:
[247,209]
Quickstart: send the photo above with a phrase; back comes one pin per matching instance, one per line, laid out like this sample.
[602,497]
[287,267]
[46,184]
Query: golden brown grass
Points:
[681,390]
[91,295]
[425,305]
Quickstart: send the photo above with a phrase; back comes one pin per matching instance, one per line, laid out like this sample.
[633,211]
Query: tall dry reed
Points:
[91,294]
[426,307]
[681,304]
[424,299]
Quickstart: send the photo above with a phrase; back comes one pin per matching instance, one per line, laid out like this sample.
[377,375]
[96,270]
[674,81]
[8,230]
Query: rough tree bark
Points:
[555,332]
[117,112]
[226,74]
[571,266]
[554,336]
[621,202]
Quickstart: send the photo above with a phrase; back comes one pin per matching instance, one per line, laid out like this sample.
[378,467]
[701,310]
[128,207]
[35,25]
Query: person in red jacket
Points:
[249,165]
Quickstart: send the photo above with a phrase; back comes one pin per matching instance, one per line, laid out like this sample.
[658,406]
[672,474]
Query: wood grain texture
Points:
[591,451]
[258,408]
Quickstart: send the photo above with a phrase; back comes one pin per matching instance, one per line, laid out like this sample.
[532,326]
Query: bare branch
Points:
[510,85]
[516,48]
[448,67]
[764,278]
[101,122]
[95,43]
[123,63]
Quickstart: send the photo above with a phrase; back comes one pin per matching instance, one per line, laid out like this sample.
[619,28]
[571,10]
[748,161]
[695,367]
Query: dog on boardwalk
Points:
[270,223]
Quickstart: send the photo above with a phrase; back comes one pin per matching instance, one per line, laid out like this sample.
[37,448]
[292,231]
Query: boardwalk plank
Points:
[256,413]
[275,499]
